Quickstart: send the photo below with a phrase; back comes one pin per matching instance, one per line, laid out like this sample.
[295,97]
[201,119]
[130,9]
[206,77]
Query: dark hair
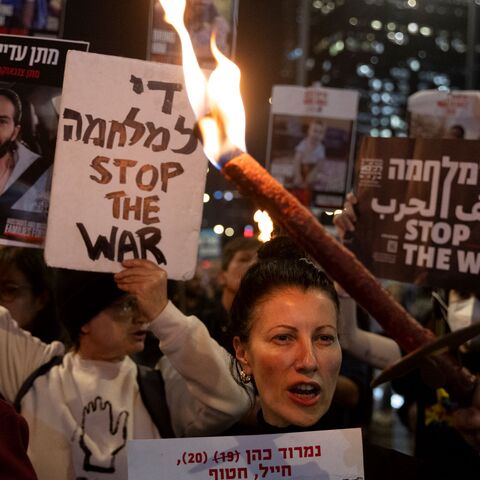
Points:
[17,104]
[460,131]
[81,296]
[281,264]
[30,262]
[236,245]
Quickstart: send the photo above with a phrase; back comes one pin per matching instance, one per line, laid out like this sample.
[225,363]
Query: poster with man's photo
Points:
[311,142]
[31,77]
[435,114]
[419,210]
[202,18]
[31,17]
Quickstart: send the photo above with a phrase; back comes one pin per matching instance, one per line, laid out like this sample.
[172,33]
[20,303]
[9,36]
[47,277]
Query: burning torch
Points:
[218,106]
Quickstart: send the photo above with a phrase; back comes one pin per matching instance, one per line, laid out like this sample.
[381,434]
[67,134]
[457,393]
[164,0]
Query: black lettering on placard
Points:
[137,244]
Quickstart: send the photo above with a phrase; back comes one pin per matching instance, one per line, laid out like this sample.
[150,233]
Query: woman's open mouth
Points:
[305,393]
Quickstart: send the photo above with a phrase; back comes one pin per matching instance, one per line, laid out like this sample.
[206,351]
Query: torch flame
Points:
[216,101]
[265,225]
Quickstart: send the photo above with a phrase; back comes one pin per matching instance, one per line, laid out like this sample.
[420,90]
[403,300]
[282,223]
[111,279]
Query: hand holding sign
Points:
[147,282]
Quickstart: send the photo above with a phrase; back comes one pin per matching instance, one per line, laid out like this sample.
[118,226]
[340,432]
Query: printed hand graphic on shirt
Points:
[102,436]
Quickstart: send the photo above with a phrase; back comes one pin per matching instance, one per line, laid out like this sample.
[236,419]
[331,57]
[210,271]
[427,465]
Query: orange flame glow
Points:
[216,100]
[265,225]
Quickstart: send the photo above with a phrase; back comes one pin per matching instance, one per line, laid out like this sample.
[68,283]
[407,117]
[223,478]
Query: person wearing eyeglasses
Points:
[82,411]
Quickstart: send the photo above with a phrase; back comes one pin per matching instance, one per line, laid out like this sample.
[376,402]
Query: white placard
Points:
[318,101]
[322,455]
[434,113]
[129,173]
[311,142]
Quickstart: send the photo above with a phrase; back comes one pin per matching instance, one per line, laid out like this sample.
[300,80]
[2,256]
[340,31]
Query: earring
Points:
[244,377]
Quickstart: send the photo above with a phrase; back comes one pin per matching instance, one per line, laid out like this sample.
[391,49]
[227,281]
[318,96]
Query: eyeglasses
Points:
[125,308]
[10,291]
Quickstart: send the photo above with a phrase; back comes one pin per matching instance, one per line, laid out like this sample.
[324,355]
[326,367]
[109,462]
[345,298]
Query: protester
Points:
[14,461]
[82,411]
[285,319]
[237,256]
[26,290]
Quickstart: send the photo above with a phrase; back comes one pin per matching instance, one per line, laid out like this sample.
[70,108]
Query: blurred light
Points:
[378,393]
[396,121]
[353,21]
[229,232]
[217,195]
[413,27]
[426,31]
[389,86]
[248,231]
[228,196]
[391,26]
[329,213]
[414,64]
[205,264]
[374,132]
[218,229]
[396,401]
[378,47]
[365,70]
[295,54]
[386,98]
[376,24]
[386,133]
[265,225]
[317,4]
[337,212]
[399,36]
[412,3]
[376,84]
[206,198]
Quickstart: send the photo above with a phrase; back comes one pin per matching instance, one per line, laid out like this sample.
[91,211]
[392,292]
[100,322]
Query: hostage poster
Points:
[419,210]
[202,18]
[129,172]
[327,454]
[311,135]
[31,77]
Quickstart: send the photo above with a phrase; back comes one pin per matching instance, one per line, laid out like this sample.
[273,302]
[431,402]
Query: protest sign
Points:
[31,77]
[31,17]
[433,113]
[202,18]
[311,142]
[328,454]
[129,172]
[419,210]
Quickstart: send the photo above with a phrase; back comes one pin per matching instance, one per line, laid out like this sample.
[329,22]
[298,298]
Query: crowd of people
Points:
[272,352]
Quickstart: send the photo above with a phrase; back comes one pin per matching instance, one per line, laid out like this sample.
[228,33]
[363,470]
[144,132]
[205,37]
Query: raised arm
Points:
[20,354]
[203,397]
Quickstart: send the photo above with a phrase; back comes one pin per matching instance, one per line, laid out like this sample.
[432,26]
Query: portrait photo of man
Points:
[25,177]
